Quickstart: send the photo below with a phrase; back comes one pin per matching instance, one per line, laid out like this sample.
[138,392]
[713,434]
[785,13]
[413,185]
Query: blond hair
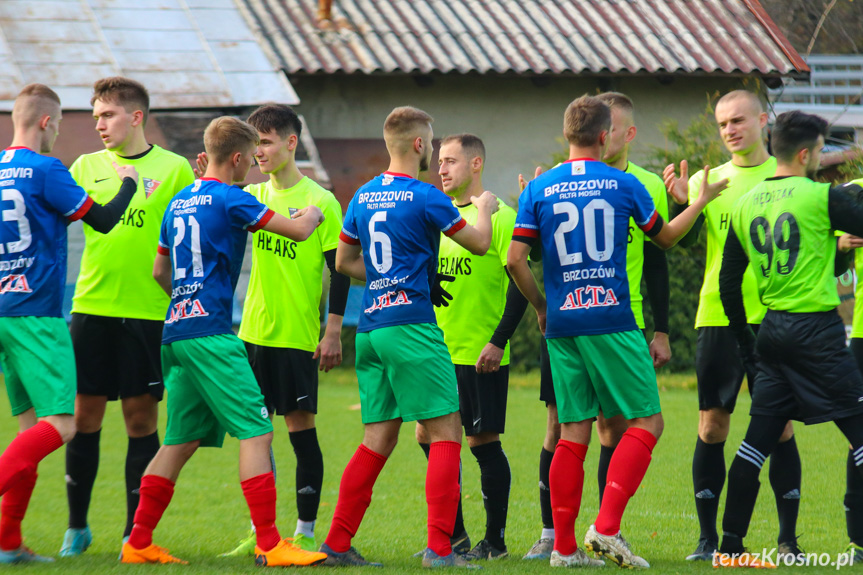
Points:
[403,126]
[225,136]
[33,102]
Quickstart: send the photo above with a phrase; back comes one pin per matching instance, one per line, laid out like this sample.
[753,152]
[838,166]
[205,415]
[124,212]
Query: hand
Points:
[540,319]
[125,171]
[310,212]
[749,355]
[487,200]
[201,163]
[439,296]
[522,184]
[330,351]
[489,359]
[849,242]
[709,192]
[660,349]
[678,188]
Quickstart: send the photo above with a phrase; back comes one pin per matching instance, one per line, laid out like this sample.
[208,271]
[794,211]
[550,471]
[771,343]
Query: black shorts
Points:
[806,372]
[288,377]
[546,383]
[117,357]
[718,368]
[482,399]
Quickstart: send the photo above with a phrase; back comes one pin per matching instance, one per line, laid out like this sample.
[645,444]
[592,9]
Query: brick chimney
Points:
[325,10]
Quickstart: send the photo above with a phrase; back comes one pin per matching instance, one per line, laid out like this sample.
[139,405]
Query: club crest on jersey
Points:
[150,186]
[186,309]
[578,168]
[14,283]
[389,299]
[388,179]
[7,156]
[588,297]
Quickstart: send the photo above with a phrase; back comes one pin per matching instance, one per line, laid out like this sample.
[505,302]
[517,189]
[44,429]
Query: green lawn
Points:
[208,514]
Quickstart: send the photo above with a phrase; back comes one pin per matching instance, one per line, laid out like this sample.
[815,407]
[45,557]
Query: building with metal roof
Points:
[506,69]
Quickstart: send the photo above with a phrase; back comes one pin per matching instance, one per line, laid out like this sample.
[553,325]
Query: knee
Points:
[64,424]
[713,426]
[299,420]
[787,433]
[422,434]
[610,430]
[141,421]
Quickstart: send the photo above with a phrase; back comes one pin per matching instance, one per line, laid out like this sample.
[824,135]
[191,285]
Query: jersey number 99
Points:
[763,241]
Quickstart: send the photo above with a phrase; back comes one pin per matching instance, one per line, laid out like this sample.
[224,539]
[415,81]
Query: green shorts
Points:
[39,364]
[211,390]
[405,371]
[609,372]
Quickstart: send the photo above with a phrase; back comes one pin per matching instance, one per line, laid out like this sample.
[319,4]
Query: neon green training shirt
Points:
[635,248]
[116,278]
[784,227]
[285,287]
[857,320]
[717,216]
[479,289]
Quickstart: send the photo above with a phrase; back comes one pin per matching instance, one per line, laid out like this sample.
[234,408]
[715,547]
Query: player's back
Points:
[581,213]
[204,233]
[784,226]
[397,220]
[37,198]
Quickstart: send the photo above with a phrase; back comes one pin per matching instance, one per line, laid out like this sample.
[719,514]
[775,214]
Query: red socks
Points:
[12,510]
[625,472]
[355,494]
[260,494]
[442,494]
[23,455]
[156,493]
[566,480]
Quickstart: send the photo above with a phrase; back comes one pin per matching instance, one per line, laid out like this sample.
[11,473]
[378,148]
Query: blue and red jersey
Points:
[204,233]
[38,199]
[398,221]
[580,212]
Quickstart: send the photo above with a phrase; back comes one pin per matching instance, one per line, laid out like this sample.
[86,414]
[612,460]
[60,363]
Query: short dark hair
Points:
[585,119]
[471,145]
[277,118]
[795,131]
[130,94]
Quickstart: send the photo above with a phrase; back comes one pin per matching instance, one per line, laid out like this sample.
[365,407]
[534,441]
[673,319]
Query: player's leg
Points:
[719,373]
[93,339]
[141,415]
[854,481]
[484,421]
[609,431]
[309,474]
[785,476]
[37,359]
[544,545]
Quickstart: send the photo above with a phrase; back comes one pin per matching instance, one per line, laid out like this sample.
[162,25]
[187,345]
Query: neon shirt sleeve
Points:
[442,214]
[349,233]
[246,212]
[63,194]
[502,231]
[526,227]
[329,230]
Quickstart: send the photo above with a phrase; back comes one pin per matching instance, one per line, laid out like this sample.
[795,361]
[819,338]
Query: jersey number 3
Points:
[16,214]
[606,211]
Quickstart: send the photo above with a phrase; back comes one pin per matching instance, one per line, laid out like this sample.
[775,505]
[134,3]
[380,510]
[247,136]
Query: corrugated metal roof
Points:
[525,36]
[189,53]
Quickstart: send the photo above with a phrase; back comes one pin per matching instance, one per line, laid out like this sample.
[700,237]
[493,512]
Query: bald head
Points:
[751,98]
[32,104]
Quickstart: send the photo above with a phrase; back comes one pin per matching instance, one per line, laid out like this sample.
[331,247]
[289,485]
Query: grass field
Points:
[208,513]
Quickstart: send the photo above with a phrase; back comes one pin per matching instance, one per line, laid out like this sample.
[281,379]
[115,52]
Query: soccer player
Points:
[281,319]
[580,212]
[211,386]
[477,325]
[718,367]
[118,310]
[38,198]
[785,229]
[390,240]
[641,257]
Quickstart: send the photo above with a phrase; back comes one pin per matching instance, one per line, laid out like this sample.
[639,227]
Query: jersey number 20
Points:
[606,210]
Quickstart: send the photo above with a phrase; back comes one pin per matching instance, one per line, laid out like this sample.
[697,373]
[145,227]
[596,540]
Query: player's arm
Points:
[477,239]
[349,258]
[678,189]
[513,310]
[330,347]
[162,271]
[104,218]
[845,246]
[734,263]
[299,227]
[519,271]
[668,235]
[656,279]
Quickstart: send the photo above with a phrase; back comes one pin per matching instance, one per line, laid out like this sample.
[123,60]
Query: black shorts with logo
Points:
[482,399]
[805,371]
[546,383]
[117,357]
[288,377]
[718,368]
